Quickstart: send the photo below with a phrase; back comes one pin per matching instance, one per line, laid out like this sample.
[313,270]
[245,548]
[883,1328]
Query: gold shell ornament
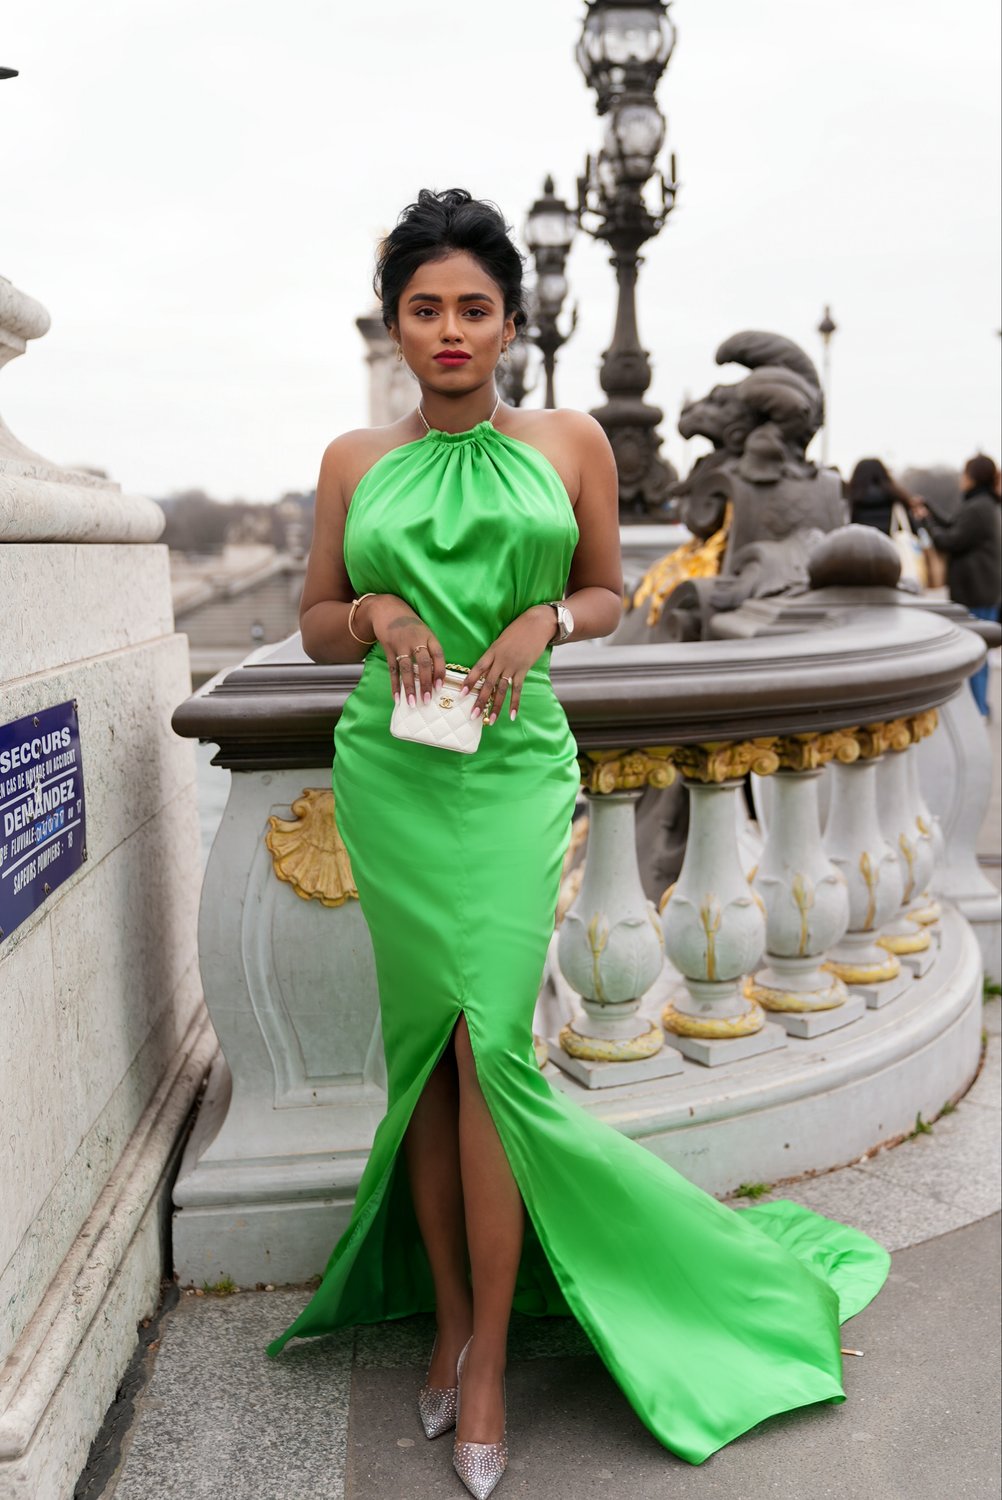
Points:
[307,851]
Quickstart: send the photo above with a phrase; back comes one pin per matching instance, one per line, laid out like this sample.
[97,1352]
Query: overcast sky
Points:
[193,189]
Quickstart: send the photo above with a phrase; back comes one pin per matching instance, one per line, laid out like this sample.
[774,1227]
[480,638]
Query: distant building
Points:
[231,602]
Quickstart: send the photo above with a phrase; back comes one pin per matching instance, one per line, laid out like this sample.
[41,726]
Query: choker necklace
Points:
[428,427]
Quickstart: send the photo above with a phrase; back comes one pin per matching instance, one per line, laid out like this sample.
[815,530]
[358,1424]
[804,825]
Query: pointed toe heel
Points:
[479,1465]
[437,1409]
[438,1405]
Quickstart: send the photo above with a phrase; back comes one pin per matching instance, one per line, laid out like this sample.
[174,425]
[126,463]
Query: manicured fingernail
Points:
[476,713]
[492,718]
[439,684]
[427,696]
[514,712]
[412,700]
[463,691]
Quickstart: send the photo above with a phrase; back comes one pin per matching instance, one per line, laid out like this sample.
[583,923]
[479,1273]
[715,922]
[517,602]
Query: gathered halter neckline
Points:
[436,432]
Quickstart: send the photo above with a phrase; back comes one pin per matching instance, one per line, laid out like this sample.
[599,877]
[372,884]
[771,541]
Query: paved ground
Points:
[334,1419]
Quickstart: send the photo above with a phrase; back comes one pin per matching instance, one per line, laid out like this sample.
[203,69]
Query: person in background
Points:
[972,543]
[872,493]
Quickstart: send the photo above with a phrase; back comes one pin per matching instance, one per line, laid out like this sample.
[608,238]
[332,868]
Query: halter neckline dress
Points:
[709,1318]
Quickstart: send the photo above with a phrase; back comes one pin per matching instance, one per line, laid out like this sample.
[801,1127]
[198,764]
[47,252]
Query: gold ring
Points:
[401,655]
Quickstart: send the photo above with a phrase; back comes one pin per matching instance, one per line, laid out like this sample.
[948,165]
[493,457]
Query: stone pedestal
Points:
[104,1041]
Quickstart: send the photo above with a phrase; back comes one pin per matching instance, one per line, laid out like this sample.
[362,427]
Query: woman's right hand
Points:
[413,653]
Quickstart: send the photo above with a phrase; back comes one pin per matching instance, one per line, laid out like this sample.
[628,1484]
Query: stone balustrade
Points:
[733,970]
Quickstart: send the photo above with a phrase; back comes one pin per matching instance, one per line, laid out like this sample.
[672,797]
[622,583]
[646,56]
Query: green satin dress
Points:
[710,1319]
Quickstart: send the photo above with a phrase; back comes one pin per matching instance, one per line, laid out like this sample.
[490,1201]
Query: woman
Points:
[473,532]
[872,494]
[972,542]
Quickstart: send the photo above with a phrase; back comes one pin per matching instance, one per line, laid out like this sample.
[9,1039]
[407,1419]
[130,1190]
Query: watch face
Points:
[566,621]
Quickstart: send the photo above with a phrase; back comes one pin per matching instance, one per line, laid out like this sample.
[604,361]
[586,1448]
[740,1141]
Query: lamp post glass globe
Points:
[638,130]
[550,224]
[624,46]
[551,289]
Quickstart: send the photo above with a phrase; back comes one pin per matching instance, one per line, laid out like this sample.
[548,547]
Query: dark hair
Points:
[438,224]
[870,477]
[983,473]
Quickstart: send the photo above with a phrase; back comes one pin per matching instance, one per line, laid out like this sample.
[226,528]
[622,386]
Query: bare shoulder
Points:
[574,443]
[560,426]
[350,455]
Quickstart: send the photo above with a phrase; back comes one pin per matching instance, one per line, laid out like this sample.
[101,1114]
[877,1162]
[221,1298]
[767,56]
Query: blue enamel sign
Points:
[42,828]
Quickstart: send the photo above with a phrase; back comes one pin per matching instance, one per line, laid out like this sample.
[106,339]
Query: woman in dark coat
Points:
[872,493]
[972,543]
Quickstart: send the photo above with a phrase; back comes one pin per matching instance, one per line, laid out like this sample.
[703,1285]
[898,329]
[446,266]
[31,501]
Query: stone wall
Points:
[103,1035]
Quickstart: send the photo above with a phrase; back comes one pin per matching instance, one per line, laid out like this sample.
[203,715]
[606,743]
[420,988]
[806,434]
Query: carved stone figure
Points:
[756,502]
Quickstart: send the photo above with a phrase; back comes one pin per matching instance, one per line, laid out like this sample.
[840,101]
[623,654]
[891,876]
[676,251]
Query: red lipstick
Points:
[451,357]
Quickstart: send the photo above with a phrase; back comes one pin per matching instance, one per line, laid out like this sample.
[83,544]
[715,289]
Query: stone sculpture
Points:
[756,503]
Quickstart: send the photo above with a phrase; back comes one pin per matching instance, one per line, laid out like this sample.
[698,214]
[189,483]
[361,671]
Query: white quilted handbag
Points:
[445,722]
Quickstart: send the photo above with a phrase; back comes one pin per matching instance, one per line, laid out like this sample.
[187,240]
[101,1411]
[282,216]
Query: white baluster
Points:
[610,951]
[806,903]
[925,909]
[899,821]
[714,933]
[856,846]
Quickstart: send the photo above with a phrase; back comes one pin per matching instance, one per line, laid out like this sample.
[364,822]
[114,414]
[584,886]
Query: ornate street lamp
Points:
[510,375]
[623,51]
[827,327]
[549,232]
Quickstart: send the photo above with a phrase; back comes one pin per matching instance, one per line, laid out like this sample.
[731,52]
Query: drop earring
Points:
[400,355]
[504,354]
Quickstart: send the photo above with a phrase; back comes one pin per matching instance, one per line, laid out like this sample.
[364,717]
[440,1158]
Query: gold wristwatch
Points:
[565,622]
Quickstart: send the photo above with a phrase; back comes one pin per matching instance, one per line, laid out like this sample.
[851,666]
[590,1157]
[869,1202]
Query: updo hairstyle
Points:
[435,226]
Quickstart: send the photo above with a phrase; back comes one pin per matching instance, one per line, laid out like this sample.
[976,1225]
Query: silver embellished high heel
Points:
[437,1406]
[479,1465]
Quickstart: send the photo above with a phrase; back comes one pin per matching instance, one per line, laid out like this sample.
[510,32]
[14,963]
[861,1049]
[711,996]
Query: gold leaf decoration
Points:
[307,851]
[694,559]
[605,771]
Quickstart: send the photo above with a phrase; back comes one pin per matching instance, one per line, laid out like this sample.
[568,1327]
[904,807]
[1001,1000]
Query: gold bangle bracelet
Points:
[351,616]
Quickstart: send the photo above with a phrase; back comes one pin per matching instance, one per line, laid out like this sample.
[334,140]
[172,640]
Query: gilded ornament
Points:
[899,942]
[808,752]
[746,1023]
[877,739]
[802,890]
[719,761]
[605,771]
[864,973]
[710,917]
[798,1002]
[611,1049]
[871,879]
[694,559]
[908,855]
[598,936]
[922,725]
[308,853]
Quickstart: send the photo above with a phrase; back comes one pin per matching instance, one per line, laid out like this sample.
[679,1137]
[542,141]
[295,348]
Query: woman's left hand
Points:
[504,664]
